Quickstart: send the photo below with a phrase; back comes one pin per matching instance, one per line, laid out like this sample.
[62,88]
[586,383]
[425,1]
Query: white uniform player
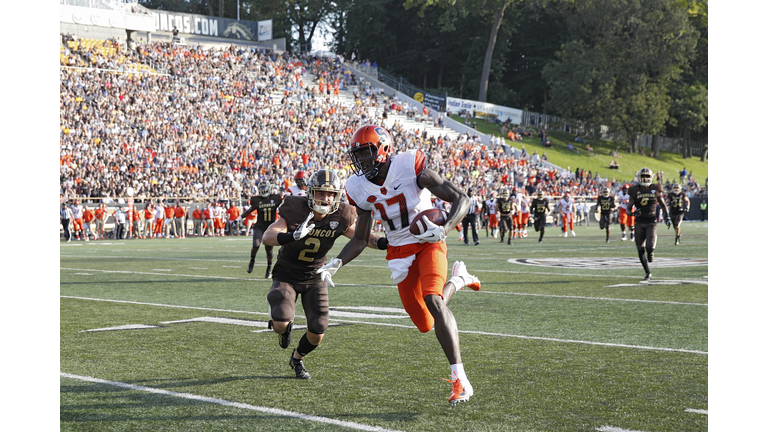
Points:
[525,214]
[567,209]
[395,213]
[493,221]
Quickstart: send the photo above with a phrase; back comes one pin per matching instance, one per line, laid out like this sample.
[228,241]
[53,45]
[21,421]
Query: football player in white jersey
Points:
[394,189]
[625,214]
[566,206]
[493,222]
[525,213]
[301,185]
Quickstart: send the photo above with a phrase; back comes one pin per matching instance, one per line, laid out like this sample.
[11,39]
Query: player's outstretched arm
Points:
[446,191]
[270,235]
[361,237]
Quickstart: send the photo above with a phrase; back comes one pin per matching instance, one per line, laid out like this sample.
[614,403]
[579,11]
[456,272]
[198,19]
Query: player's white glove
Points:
[433,233]
[667,221]
[329,270]
[303,229]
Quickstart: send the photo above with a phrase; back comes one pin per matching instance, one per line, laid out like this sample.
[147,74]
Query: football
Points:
[436,216]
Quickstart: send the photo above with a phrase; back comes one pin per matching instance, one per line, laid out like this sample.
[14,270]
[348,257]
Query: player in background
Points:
[678,207]
[77,222]
[540,207]
[525,214]
[506,207]
[566,208]
[306,230]
[491,205]
[266,204]
[625,213]
[301,184]
[606,204]
[645,196]
[516,228]
[394,189]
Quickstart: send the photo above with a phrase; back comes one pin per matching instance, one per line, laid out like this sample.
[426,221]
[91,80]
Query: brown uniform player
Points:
[506,207]
[678,207]
[306,230]
[540,209]
[266,204]
[645,196]
[606,204]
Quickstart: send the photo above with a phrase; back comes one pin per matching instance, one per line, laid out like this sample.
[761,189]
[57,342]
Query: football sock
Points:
[305,346]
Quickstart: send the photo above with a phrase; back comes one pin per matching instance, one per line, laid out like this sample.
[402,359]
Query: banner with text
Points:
[207,25]
[265,30]
[431,100]
[514,115]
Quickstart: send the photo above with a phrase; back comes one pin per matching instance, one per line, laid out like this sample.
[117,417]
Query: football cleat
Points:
[647,277]
[677,240]
[573,233]
[623,236]
[460,271]
[540,240]
[477,242]
[283,339]
[458,392]
[606,239]
[632,236]
[269,272]
[250,265]
[565,234]
[298,368]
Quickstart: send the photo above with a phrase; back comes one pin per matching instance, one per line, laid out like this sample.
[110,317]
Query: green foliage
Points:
[620,59]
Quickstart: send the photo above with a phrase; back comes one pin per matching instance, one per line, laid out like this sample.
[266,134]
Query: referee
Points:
[66,216]
[471,219]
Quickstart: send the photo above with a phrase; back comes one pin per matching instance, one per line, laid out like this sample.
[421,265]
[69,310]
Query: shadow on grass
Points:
[161,281]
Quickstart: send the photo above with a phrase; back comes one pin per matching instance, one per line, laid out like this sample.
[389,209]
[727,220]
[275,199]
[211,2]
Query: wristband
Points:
[285,238]
[382,243]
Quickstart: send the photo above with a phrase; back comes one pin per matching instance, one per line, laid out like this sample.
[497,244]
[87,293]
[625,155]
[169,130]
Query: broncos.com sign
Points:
[206,25]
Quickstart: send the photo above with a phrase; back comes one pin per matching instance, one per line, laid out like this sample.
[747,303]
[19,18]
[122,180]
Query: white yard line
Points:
[407,326]
[273,411]
[614,429]
[391,286]
[697,411]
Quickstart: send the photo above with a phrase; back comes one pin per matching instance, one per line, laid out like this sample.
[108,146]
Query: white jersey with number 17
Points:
[396,202]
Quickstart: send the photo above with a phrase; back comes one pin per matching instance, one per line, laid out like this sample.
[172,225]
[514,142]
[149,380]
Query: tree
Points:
[617,66]
[453,9]
[305,16]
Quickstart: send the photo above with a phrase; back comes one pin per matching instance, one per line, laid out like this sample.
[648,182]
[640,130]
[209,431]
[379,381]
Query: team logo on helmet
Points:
[324,181]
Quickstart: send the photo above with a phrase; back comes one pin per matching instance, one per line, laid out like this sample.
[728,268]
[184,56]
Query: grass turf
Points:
[546,348]
[668,162]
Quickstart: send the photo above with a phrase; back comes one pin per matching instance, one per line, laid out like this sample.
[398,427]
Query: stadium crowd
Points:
[192,124]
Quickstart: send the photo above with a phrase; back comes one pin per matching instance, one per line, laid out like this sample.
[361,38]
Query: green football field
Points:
[170,335]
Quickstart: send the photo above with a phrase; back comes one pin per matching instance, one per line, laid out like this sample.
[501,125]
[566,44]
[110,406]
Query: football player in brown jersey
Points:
[644,196]
[678,207]
[606,204]
[505,208]
[306,230]
[265,204]
[540,208]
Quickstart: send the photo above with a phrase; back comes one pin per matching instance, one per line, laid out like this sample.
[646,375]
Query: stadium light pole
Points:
[238,10]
